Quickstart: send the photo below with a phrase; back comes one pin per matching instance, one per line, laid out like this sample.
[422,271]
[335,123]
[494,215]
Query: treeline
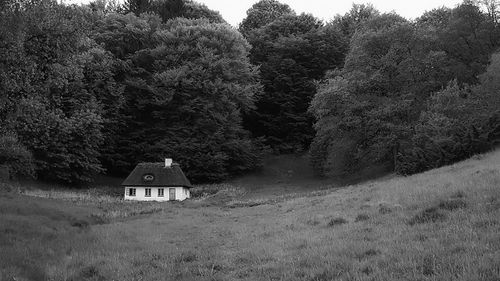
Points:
[98,88]
[411,95]
[87,90]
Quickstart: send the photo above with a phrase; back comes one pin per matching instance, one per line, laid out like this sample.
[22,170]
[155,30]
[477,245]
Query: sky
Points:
[234,11]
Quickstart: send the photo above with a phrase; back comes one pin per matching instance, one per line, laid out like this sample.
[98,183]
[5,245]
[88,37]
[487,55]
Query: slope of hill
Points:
[440,225]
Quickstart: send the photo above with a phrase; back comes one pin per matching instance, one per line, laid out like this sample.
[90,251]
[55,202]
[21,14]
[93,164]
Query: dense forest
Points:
[97,88]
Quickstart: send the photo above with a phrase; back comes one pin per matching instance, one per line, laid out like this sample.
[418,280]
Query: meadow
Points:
[440,225]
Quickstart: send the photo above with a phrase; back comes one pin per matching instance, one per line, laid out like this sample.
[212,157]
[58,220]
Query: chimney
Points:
[168,162]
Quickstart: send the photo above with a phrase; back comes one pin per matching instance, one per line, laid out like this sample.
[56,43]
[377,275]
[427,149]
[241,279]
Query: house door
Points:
[171,194]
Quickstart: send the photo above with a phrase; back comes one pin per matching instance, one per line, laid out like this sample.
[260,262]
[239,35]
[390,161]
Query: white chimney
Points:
[168,162]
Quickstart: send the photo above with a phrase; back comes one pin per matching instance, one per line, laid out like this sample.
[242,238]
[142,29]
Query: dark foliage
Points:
[186,84]
[407,96]
[263,13]
[87,88]
[100,87]
[170,9]
[49,99]
[15,157]
[292,51]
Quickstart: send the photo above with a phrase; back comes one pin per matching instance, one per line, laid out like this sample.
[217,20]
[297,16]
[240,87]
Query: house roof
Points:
[157,175]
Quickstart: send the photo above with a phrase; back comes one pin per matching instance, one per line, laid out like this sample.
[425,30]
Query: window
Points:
[148,192]
[131,192]
[161,192]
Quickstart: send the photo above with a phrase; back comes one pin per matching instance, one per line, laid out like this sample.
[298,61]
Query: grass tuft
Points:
[384,209]
[453,204]
[90,272]
[80,224]
[362,217]
[458,194]
[428,215]
[313,221]
[428,266]
[367,270]
[186,257]
[367,254]
[337,221]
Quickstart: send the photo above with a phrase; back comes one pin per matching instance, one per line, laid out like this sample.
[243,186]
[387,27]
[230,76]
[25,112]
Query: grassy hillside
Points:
[440,225]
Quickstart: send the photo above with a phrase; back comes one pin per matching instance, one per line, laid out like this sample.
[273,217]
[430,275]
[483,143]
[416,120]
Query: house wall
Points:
[181,194]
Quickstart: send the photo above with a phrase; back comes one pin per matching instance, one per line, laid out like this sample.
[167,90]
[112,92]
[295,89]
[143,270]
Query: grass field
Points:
[440,225]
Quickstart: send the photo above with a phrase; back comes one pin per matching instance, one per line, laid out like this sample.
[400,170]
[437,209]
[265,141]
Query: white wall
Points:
[181,194]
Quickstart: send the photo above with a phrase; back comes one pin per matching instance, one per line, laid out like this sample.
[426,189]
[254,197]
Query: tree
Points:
[292,51]
[262,13]
[353,19]
[194,10]
[51,99]
[15,156]
[369,104]
[185,91]
[65,149]
[105,6]
[137,6]
[435,18]
[474,39]
[492,7]
[390,102]
[170,9]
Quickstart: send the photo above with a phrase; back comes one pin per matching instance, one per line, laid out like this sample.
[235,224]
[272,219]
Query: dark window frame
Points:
[161,192]
[147,192]
[132,192]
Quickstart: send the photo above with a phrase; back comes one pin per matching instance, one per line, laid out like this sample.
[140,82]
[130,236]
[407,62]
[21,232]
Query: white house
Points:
[157,182]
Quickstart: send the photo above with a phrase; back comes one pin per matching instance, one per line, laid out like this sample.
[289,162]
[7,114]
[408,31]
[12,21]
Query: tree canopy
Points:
[89,91]
[403,97]
[98,88]
[292,51]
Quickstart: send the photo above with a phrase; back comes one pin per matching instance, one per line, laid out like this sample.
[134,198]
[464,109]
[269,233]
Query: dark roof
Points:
[162,176]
